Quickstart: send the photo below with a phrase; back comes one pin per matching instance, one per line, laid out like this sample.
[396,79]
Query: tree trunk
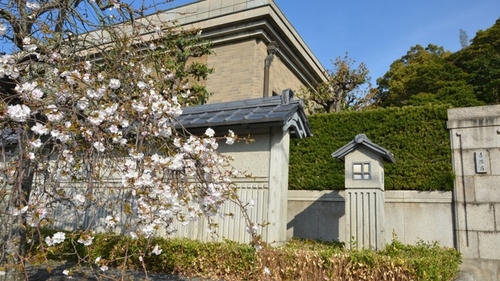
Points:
[11,244]
[336,106]
[13,221]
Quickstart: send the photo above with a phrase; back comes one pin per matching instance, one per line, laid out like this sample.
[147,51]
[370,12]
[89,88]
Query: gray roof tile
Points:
[363,140]
[252,113]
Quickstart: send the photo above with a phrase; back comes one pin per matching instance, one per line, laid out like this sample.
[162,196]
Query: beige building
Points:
[257,52]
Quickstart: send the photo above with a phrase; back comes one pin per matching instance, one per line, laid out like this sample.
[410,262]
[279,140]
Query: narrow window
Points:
[361,171]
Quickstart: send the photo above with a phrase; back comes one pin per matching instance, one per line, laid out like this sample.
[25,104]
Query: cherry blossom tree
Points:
[90,94]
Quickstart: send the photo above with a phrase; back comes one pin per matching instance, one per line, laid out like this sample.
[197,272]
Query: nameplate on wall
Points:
[481,160]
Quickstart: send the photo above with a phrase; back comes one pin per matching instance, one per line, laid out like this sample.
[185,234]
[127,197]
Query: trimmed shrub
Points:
[295,260]
[428,261]
[417,136]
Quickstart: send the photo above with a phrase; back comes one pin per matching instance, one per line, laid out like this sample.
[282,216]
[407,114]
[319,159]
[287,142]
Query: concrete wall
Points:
[252,156]
[315,214]
[265,159]
[475,141]
[419,215]
[255,157]
[411,215]
[364,200]
[364,155]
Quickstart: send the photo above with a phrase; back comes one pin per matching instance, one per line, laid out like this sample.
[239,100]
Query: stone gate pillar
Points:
[475,144]
[364,192]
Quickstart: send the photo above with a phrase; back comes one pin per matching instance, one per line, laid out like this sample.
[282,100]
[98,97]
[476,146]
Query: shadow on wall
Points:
[315,215]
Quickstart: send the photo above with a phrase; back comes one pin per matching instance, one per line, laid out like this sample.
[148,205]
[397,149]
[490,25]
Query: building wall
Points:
[252,156]
[200,10]
[281,77]
[265,160]
[238,71]
[409,215]
[240,31]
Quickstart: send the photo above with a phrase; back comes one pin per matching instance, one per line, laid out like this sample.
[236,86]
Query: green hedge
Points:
[416,135]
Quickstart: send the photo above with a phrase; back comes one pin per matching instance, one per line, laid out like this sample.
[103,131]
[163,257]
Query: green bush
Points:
[179,256]
[428,261]
[417,136]
[295,260]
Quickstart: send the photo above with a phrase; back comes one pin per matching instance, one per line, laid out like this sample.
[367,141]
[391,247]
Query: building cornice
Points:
[263,21]
[247,19]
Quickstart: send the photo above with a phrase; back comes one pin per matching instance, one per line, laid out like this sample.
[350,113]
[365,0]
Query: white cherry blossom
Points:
[99,146]
[157,250]
[56,239]
[79,198]
[142,85]
[39,129]
[36,143]
[19,112]
[108,133]
[32,5]
[230,138]
[210,132]
[111,221]
[86,240]
[82,103]
[114,83]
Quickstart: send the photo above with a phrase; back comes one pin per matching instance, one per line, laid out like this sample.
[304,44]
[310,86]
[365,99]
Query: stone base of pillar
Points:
[364,218]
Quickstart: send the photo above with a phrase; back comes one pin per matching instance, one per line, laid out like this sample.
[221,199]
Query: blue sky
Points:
[379,32]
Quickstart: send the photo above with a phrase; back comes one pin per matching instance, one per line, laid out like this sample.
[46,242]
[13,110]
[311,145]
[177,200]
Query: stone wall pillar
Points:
[365,218]
[278,186]
[475,144]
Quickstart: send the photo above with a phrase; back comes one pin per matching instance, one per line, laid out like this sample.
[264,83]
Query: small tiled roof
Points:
[362,140]
[249,115]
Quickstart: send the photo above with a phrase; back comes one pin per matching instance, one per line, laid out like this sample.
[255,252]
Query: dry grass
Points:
[296,260]
[279,264]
